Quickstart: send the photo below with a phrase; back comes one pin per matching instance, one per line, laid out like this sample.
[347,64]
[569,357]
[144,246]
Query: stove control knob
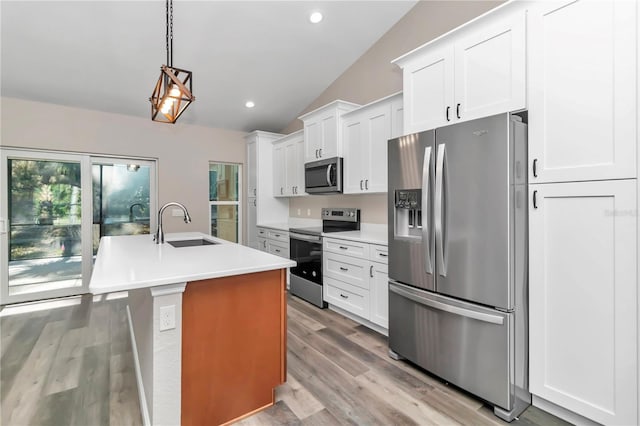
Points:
[351,214]
[326,213]
[313,273]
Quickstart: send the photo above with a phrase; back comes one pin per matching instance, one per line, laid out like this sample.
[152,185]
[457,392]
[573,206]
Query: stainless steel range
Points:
[306,249]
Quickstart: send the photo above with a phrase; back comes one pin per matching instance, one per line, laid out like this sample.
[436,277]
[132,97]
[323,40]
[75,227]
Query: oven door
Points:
[324,176]
[306,250]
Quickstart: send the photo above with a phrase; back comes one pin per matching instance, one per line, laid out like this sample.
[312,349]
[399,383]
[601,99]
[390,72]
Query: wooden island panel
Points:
[233,346]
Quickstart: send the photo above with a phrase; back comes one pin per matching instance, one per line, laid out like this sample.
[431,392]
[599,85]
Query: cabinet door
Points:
[252,219]
[490,68]
[279,170]
[582,110]
[312,139]
[379,274]
[355,154]
[289,168]
[397,118]
[329,145]
[583,298]
[299,168]
[252,169]
[428,91]
[377,133]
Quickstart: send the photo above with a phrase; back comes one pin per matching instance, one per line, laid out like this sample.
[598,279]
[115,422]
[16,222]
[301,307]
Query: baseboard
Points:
[144,409]
[356,318]
[561,412]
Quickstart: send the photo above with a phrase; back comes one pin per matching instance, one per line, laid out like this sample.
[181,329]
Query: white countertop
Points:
[368,233]
[135,261]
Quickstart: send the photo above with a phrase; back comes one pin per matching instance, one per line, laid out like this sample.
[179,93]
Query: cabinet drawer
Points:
[278,235]
[281,250]
[262,232]
[347,297]
[262,244]
[349,269]
[349,248]
[379,253]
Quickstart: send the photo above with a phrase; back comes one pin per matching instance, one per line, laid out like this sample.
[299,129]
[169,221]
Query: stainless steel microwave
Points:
[323,176]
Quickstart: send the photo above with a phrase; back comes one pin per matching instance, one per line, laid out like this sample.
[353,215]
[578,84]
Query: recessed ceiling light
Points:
[315,17]
[249,104]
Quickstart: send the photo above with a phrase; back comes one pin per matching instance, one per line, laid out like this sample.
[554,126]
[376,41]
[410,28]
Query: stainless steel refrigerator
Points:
[457,257]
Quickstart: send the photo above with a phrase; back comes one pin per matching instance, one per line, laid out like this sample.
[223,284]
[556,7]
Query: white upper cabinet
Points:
[288,165]
[582,94]
[279,171]
[366,132]
[397,116]
[322,136]
[475,71]
[428,90]
[583,298]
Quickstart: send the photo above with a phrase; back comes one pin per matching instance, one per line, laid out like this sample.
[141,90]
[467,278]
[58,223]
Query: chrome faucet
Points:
[159,235]
[131,217]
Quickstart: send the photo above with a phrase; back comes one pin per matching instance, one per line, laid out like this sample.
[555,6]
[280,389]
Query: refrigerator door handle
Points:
[439,210]
[456,310]
[426,237]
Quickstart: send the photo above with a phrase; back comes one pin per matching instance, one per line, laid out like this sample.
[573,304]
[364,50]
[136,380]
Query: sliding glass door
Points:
[53,210]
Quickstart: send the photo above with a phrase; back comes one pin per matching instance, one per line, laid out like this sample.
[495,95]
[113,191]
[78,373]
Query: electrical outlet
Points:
[177,212]
[308,212]
[298,212]
[167,317]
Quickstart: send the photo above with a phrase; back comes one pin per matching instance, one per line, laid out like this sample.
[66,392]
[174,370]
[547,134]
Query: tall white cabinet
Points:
[262,206]
[288,165]
[583,218]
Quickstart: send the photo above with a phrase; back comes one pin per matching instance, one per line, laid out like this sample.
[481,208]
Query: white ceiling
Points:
[106,55]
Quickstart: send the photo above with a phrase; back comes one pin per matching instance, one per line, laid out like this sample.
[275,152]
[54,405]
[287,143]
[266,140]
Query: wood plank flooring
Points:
[73,366]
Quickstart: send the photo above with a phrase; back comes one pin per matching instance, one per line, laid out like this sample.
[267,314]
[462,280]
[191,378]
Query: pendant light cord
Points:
[169,33]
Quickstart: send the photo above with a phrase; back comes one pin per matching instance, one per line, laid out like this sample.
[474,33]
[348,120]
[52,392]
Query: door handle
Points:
[447,113]
[281,190]
[344,269]
[456,310]
[426,226]
[329,174]
[361,185]
[344,248]
[254,192]
[535,199]
[316,153]
[343,296]
[371,271]
[535,167]
[366,184]
[320,152]
[458,110]
[255,204]
[440,210]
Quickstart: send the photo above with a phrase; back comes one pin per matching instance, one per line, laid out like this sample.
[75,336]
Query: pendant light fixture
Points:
[173,92]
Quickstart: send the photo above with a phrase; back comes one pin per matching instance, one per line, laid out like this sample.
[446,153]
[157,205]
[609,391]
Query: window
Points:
[224,201]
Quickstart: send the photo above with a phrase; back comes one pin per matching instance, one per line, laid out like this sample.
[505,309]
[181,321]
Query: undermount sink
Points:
[191,243]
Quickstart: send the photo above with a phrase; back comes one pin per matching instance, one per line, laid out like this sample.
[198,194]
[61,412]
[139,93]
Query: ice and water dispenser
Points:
[408,213]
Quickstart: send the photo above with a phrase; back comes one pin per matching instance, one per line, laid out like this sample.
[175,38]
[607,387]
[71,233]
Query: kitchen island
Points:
[208,324]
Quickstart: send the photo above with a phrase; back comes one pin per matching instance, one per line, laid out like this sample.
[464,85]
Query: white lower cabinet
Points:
[583,298]
[275,242]
[356,279]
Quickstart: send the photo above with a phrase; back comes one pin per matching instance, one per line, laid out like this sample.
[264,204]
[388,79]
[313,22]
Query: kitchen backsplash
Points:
[373,207]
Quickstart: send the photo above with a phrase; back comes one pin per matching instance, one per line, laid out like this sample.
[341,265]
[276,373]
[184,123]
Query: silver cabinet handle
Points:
[361,188]
[535,167]
[277,251]
[383,255]
[254,192]
[426,226]
[440,210]
[366,184]
[277,235]
[456,310]
[344,269]
[255,203]
[535,199]
[458,111]
[371,271]
[320,151]
[343,296]
[281,190]
[316,153]
[344,248]
[265,244]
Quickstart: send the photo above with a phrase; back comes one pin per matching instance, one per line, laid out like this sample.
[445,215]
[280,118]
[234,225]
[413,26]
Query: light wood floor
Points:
[73,365]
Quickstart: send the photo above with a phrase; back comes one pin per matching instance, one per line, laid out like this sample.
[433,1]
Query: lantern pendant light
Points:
[173,91]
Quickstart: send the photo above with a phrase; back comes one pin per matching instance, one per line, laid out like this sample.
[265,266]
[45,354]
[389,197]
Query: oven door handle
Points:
[305,237]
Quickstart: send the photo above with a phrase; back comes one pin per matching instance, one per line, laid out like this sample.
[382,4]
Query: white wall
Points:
[183,151]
